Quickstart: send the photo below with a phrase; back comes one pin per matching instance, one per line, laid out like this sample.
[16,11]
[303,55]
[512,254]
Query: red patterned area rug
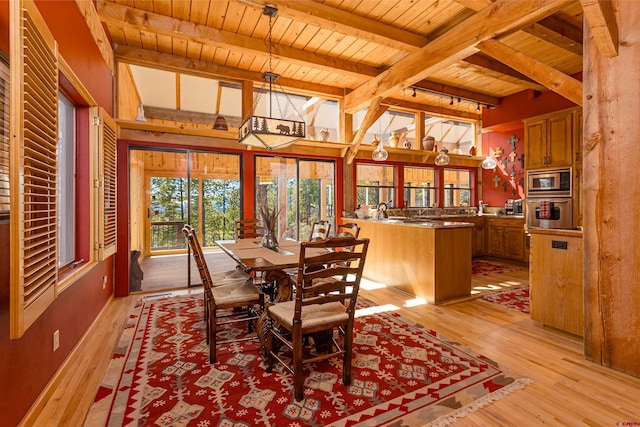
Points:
[517,299]
[484,268]
[403,374]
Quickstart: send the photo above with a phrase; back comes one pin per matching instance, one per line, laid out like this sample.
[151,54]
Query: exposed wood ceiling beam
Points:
[554,38]
[441,89]
[344,22]
[369,118]
[604,27]
[97,32]
[456,44]
[179,64]
[548,76]
[115,14]
[549,29]
[500,71]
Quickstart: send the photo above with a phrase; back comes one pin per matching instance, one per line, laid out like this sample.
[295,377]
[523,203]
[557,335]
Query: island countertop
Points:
[424,223]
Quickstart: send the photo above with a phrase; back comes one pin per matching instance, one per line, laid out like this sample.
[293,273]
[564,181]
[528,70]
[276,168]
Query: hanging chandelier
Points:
[269,132]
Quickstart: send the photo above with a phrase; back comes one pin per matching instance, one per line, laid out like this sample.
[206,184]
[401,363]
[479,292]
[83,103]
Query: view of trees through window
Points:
[302,189]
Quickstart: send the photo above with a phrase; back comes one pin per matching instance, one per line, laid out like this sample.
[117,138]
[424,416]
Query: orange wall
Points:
[504,121]
[27,364]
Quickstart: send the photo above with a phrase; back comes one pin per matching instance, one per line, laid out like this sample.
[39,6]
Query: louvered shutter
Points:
[34,126]
[4,136]
[107,205]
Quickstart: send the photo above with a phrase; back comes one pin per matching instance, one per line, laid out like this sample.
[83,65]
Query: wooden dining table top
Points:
[251,255]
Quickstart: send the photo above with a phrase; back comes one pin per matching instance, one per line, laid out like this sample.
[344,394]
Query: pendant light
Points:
[270,132]
[442,159]
[489,162]
[380,154]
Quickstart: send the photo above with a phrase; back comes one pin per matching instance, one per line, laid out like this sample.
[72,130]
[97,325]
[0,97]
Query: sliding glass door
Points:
[303,190]
[169,189]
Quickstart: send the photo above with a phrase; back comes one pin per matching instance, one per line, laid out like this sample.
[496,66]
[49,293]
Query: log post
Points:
[611,192]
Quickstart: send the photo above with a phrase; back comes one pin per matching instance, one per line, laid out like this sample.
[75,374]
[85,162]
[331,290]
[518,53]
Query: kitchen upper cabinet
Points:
[505,238]
[549,140]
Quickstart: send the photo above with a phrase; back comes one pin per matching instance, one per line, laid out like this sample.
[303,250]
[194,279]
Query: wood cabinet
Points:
[478,235]
[549,140]
[505,238]
[555,279]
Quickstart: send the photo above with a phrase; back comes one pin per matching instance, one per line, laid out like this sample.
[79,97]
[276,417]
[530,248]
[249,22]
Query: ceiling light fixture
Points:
[270,132]
[414,92]
[379,154]
[442,159]
[489,162]
[478,108]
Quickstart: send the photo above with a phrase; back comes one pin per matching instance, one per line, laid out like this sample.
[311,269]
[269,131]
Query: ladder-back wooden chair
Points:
[231,291]
[348,229]
[325,299]
[248,228]
[320,230]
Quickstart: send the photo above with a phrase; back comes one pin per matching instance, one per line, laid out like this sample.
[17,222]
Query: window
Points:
[457,188]
[455,135]
[419,187]
[374,184]
[304,190]
[66,181]
[402,123]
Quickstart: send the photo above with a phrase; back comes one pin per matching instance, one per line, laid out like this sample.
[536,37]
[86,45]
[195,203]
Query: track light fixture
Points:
[478,108]
[414,92]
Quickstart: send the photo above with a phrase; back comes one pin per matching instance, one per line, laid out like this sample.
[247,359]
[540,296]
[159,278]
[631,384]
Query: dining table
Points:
[270,264]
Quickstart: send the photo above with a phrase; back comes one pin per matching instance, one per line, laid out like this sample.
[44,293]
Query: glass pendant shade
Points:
[442,159]
[489,163]
[380,154]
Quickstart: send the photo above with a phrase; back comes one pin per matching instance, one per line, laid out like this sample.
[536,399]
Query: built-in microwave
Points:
[549,183]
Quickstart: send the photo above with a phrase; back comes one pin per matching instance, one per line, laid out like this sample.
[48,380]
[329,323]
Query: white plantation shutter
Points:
[33,160]
[107,185]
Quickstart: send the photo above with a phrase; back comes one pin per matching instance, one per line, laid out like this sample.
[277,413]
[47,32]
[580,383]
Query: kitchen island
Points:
[429,259]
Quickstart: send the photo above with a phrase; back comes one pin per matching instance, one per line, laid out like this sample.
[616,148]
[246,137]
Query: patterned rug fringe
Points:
[450,419]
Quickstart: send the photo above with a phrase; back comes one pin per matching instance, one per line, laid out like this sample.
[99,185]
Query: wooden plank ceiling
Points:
[371,52]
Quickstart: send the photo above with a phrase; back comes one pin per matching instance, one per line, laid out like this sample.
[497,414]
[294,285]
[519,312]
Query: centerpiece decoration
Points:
[269,218]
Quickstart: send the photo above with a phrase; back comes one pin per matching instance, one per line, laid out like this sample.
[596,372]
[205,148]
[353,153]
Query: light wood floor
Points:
[567,390]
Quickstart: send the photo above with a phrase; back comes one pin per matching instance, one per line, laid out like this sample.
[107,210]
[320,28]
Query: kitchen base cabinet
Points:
[505,238]
[555,279]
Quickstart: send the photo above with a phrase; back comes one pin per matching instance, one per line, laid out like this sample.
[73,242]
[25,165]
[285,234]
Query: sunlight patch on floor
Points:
[361,312]
[415,302]
[370,285]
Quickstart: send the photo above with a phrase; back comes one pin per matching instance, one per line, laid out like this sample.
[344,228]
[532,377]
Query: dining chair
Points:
[229,297]
[324,301]
[320,230]
[248,228]
[348,229]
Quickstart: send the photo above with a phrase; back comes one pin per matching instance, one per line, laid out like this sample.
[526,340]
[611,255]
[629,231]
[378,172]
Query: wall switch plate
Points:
[56,340]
